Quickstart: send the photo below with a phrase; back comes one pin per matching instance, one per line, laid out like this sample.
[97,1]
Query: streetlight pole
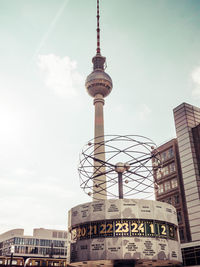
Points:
[11,256]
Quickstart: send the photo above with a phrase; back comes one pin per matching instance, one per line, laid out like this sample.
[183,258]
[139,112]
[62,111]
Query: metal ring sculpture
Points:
[128,161]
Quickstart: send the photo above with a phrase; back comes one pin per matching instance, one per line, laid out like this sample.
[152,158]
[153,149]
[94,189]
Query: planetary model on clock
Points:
[127,166]
[121,226]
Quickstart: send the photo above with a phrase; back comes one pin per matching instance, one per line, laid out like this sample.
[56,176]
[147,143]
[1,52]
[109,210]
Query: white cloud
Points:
[24,172]
[60,74]
[195,75]
[144,112]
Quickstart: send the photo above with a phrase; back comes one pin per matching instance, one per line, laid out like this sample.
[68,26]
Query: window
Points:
[45,242]
[19,241]
[181,233]
[17,249]
[191,256]
[172,167]
[43,251]
[164,156]
[176,199]
[156,161]
[158,174]
[174,183]
[60,234]
[160,189]
[179,216]
[54,234]
[165,171]
[170,153]
[167,185]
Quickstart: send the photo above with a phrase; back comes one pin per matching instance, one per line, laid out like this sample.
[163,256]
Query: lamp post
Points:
[12,250]
[51,251]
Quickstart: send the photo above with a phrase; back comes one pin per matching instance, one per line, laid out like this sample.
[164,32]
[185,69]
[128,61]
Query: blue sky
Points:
[46,116]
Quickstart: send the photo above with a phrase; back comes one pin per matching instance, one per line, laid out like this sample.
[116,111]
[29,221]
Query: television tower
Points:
[116,230]
[98,85]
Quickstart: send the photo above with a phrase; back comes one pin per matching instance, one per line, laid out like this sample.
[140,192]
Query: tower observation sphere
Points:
[98,82]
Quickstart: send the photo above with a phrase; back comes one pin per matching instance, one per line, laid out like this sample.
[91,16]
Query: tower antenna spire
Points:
[98,30]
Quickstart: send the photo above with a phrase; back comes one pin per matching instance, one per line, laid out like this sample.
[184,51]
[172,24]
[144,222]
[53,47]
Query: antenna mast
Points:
[98,30]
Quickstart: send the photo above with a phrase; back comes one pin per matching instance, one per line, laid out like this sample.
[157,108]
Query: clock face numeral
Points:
[124,227]
[134,227]
[163,231]
[102,229]
[92,230]
[109,228]
[137,229]
[106,228]
[172,232]
[152,228]
[121,228]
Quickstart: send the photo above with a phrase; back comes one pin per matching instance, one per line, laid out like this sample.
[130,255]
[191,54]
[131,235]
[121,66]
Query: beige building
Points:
[43,243]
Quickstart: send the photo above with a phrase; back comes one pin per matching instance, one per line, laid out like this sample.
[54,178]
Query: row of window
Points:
[59,234]
[165,155]
[8,242]
[168,185]
[174,200]
[39,250]
[38,242]
[165,171]
[191,256]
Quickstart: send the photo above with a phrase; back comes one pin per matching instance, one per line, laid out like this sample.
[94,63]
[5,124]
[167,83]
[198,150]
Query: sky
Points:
[46,116]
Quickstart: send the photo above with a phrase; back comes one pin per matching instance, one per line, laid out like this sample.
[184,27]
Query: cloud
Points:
[60,74]
[144,112]
[195,75]
[23,172]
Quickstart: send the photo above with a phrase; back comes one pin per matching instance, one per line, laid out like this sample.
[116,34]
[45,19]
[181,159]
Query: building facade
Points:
[43,243]
[169,184]
[187,117]
[177,179]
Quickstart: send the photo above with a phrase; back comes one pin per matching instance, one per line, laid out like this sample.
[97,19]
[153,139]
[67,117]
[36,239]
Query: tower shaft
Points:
[99,182]
[99,85]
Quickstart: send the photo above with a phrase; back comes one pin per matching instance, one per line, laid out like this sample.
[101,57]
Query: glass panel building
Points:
[43,243]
